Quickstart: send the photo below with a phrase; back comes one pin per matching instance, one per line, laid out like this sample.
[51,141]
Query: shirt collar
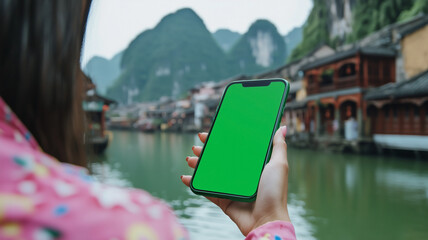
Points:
[12,128]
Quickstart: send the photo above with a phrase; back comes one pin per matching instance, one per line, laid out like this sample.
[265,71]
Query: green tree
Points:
[372,15]
[419,6]
[315,31]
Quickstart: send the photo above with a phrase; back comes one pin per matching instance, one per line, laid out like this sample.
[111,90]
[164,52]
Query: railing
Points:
[327,88]
[312,88]
[339,83]
[375,81]
[346,82]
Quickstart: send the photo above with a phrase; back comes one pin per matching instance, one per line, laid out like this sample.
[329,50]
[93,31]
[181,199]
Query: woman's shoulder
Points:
[63,200]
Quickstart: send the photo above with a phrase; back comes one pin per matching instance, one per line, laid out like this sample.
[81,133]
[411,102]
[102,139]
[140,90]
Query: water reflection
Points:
[331,196]
[415,184]
[205,221]
[361,197]
[105,173]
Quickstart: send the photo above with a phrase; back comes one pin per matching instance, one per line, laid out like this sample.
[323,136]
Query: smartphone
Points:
[240,140]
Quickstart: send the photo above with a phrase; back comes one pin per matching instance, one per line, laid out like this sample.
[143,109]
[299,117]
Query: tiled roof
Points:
[406,29]
[414,87]
[373,51]
[97,97]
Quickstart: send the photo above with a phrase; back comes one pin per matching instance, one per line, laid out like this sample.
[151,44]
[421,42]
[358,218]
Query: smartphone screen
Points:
[237,147]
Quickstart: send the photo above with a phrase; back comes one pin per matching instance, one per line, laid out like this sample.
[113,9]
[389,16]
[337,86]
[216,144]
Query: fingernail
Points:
[284,131]
[193,147]
[187,159]
[181,176]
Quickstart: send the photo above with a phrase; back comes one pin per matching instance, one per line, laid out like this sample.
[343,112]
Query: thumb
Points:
[279,149]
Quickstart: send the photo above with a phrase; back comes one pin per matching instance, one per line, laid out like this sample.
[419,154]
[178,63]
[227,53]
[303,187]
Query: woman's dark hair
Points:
[40,76]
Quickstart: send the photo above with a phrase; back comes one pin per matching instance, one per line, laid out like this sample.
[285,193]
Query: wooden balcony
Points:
[338,84]
[327,88]
[347,82]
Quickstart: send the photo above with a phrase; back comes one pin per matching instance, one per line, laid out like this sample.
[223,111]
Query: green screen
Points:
[234,154]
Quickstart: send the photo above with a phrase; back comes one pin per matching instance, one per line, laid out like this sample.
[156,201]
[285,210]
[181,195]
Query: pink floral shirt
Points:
[42,199]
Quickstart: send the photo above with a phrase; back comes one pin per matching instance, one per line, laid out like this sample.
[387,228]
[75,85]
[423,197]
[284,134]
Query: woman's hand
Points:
[271,201]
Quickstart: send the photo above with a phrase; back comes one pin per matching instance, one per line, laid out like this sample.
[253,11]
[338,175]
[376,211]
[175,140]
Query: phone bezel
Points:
[249,83]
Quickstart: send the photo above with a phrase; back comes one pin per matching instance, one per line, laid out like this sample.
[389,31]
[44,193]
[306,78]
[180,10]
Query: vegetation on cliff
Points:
[368,16]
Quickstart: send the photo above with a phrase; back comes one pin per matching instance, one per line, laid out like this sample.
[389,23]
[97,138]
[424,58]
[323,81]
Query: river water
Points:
[331,196]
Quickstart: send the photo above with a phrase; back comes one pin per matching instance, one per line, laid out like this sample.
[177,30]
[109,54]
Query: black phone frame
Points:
[245,83]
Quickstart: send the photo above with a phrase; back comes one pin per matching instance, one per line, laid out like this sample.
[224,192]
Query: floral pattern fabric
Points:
[42,199]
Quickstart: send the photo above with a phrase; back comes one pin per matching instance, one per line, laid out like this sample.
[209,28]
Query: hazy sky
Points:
[113,24]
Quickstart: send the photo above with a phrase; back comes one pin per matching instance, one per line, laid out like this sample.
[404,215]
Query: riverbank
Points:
[363,146]
[306,141]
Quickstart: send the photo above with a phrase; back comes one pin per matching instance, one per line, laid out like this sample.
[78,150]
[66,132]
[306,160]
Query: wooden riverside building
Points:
[95,107]
[336,85]
[398,114]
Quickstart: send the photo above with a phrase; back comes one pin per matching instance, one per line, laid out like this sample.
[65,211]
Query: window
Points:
[373,68]
[415,111]
[311,79]
[347,69]
[406,111]
[386,71]
[426,111]
[386,111]
[327,77]
[395,111]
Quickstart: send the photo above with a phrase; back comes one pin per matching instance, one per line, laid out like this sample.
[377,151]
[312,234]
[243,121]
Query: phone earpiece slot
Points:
[256,83]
